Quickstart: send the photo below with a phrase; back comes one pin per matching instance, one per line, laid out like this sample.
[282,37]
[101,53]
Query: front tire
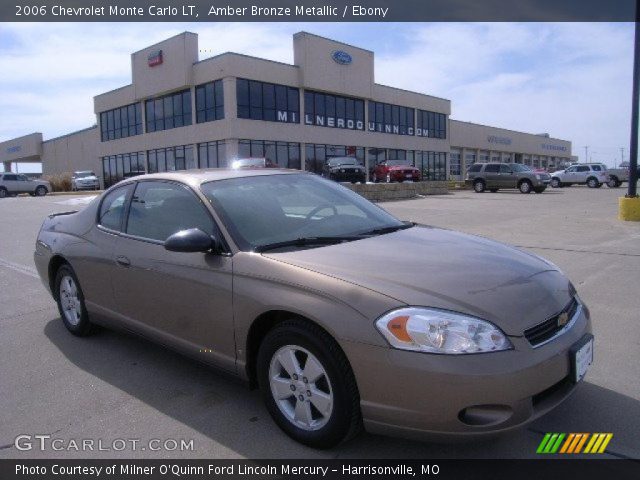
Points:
[71,304]
[41,191]
[525,186]
[3,192]
[593,183]
[556,183]
[307,385]
[479,186]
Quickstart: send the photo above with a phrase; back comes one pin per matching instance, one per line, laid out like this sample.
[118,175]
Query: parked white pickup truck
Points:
[619,175]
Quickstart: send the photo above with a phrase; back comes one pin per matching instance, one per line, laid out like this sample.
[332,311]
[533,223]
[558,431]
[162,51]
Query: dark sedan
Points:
[344,169]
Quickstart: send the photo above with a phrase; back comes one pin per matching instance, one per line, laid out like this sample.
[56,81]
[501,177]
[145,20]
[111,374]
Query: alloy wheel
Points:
[301,387]
[70,300]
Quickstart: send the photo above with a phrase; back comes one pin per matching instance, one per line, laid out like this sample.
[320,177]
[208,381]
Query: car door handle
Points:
[123,261]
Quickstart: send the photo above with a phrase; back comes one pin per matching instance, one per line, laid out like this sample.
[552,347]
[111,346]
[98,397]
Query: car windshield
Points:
[84,174]
[261,211]
[248,162]
[334,162]
[516,167]
[397,163]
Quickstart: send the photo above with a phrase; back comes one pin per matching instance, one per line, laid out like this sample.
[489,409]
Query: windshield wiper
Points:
[307,241]
[390,229]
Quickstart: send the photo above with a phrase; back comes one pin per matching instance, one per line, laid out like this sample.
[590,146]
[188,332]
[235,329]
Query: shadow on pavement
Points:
[233,416]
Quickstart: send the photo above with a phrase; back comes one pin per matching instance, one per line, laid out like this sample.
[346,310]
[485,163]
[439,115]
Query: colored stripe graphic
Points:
[572,443]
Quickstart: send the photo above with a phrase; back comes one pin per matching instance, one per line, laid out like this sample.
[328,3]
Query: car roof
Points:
[197,177]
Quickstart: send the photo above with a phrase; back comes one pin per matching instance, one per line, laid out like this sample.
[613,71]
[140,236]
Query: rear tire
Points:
[525,186]
[593,182]
[613,182]
[70,300]
[556,183]
[3,192]
[479,186]
[41,191]
[322,412]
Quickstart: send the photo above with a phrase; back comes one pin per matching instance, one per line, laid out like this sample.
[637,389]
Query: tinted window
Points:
[209,102]
[112,208]
[333,111]
[121,122]
[475,168]
[267,101]
[169,112]
[505,169]
[492,168]
[160,209]
[597,168]
[11,178]
[583,168]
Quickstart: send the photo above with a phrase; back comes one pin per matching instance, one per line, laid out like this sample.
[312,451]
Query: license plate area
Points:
[581,356]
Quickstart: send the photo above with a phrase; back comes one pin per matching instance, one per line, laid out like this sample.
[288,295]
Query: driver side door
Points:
[183,300]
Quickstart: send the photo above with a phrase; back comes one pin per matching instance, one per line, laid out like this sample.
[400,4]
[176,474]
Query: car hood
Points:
[424,266]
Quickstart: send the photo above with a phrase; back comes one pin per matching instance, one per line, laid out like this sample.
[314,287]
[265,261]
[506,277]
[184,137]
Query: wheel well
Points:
[592,178]
[479,180]
[54,265]
[523,180]
[260,327]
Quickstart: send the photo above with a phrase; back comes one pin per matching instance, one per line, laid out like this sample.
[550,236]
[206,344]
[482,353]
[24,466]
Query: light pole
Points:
[586,154]
[629,205]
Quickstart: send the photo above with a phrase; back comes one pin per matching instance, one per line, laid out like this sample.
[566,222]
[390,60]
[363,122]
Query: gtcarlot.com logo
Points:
[574,443]
[47,442]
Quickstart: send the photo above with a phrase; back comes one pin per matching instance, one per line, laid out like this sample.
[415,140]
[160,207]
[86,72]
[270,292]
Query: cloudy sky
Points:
[570,80]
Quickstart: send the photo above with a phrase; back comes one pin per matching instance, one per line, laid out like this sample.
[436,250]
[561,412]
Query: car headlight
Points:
[440,331]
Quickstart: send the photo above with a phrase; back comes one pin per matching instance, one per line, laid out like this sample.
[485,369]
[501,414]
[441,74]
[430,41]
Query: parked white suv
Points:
[594,175]
[11,184]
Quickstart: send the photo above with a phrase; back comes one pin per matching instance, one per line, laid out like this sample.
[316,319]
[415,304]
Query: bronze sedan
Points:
[343,315]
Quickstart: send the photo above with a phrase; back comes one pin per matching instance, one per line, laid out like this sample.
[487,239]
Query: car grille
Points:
[546,330]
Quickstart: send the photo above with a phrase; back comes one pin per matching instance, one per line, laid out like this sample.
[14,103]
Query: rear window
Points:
[492,167]
[476,167]
[597,168]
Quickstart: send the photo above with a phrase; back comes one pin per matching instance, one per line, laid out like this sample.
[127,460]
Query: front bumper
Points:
[421,395]
[87,186]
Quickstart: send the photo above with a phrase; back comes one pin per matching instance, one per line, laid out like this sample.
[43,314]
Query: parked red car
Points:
[395,171]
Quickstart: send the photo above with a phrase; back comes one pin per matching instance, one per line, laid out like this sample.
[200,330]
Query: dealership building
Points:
[180,113]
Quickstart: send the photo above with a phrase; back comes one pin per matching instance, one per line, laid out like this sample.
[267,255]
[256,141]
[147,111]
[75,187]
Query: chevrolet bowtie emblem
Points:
[563,318]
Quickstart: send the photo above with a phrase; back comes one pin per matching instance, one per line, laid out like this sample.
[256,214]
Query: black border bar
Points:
[320,11]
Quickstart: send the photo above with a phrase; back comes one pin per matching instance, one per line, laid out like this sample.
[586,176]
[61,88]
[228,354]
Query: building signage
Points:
[335,122]
[557,148]
[154,58]
[500,140]
[283,116]
[341,57]
[14,149]
[387,128]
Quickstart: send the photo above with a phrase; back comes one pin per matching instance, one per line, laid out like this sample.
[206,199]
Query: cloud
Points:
[571,80]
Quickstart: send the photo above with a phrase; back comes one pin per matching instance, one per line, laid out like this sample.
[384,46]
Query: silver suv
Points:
[11,184]
[593,175]
[494,176]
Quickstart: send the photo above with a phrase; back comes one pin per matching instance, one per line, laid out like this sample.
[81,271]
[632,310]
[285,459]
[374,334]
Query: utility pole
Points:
[621,154]
[586,154]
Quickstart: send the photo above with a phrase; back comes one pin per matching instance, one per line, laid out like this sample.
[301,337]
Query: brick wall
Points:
[382,192]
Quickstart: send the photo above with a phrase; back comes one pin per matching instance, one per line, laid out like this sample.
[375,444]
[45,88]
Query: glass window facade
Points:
[386,118]
[212,155]
[431,124]
[267,101]
[455,163]
[325,110]
[282,154]
[121,166]
[171,159]
[209,102]
[121,122]
[433,165]
[170,111]
[316,155]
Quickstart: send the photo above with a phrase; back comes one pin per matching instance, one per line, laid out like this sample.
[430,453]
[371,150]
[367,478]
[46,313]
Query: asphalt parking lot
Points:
[113,386]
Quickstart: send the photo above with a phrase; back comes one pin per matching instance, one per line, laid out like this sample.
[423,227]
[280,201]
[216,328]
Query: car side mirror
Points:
[191,240]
